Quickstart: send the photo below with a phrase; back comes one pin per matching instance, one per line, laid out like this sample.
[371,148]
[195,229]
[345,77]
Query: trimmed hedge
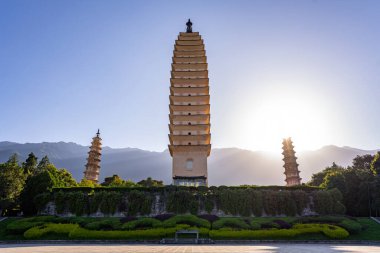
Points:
[330,231]
[351,226]
[104,224]
[142,223]
[186,219]
[156,233]
[236,223]
[56,229]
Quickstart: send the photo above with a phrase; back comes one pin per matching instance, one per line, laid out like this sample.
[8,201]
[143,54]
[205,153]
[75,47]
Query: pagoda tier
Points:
[189,110]
[93,161]
[290,163]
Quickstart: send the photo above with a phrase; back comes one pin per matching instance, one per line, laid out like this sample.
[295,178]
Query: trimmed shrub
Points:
[104,224]
[20,226]
[156,233]
[351,226]
[282,224]
[320,219]
[142,223]
[56,229]
[211,218]
[162,217]
[186,219]
[330,231]
[236,223]
[127,219]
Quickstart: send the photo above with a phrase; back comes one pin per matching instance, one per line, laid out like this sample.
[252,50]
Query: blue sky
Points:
[70,67]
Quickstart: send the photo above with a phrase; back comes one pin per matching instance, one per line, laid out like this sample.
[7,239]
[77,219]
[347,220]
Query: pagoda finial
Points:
[189,28]
[98,133]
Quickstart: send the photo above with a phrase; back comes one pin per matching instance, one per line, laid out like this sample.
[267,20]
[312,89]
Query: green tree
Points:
[375,164]
[43,182]
[87,183]
[149,182]
[113,181]
[30,164]
[12,180]
[43,164]
[317,179]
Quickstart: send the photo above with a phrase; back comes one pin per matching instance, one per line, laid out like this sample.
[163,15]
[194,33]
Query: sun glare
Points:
[280,117]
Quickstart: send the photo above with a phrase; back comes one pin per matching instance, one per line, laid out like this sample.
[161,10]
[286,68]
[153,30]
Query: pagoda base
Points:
[190,181]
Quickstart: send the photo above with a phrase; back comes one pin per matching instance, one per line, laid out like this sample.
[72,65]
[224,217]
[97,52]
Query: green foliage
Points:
[236,223]
[104,224]
[110,202]
[139,203]
[330,231]
[149,182]
[60,230]
[12,180]
[113,181]
[186,219]
[182,201]
[156,233]
[20,226]
[87,183]
[375,164]
[323,202]
[353,227]
[142,223]
[41,200]
[30,165]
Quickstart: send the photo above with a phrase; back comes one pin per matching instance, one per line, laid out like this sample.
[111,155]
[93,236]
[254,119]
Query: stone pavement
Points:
[275,248]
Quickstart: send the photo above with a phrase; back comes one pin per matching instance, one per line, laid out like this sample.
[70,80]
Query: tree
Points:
[317,179]
[149,182]
[30,164]
[12,180]
[375,164]
[115,180]
[43,182]
[87,183]
[43,164]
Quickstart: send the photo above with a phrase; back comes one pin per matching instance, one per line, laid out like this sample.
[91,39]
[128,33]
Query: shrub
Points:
[57,229]
[104,224]
[20,226]
[351,226]
[211,218]
[320,219]
[186,219]
[282,224]
[142,223]
[269,225]
[127,219]
[41,200]
[230,223]
[156,233]
[162,217]
[300,229]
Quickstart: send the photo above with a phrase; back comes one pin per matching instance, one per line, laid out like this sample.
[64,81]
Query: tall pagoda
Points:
[189,110]
[93,160]
[291,165]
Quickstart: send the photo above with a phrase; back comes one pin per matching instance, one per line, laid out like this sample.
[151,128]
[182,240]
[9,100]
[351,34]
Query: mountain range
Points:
[227,166]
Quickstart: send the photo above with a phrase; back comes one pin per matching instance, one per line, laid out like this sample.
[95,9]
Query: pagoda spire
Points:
[93,161]
[290,163]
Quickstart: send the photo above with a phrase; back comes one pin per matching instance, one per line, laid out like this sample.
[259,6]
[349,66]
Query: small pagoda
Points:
[93,160]
[291,165]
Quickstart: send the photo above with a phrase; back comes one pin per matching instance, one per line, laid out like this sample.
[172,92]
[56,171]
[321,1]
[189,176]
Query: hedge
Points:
[230,223]
[142,223]
[330,231]
[186,219]
[104,224]
[155,233]
[243,201]
[57,229]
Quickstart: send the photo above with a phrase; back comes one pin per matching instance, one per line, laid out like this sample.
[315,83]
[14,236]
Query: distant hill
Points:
[227,166]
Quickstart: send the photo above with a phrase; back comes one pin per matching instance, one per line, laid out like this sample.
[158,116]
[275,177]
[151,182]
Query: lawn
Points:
[237,228]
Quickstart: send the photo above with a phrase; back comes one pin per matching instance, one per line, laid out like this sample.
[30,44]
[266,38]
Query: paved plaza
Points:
[276,248]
